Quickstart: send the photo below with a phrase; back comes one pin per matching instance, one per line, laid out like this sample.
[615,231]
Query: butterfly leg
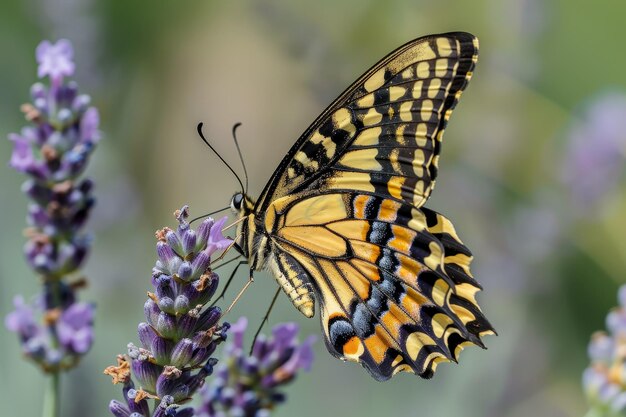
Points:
[245,287]
[230,279]
[265,318]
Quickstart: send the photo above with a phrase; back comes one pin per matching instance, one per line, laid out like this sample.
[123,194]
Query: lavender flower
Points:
[597,147]
[53,150]
[604,381]
[180,334]
[250,385]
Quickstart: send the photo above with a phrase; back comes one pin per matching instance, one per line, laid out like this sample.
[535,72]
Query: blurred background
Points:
[531,175]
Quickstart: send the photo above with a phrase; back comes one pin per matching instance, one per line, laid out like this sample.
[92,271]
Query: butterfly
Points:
[341,222]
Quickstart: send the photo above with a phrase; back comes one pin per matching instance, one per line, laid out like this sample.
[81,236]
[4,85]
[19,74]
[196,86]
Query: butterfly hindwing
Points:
[378,268]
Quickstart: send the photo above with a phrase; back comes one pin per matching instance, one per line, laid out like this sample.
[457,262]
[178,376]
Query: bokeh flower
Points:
[55,60]
[180,332]
[604,381]
[250,385]
[52,151]
[594,159]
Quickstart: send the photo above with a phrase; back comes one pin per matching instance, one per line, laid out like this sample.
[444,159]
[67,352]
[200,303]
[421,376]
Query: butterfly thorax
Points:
[254,241]
[247,239]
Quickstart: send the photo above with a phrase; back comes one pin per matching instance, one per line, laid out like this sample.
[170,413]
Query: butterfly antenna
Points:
[218,155]
[245,171]
[209,214]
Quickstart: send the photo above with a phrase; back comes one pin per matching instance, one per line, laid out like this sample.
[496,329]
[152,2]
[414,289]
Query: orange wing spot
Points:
[388,211]
[408,269]
[402,239]
[336,314]
[413,298]
[392,324]
[366,250]
[402,315]
[353,348]
[395,187]
[378,344]
[367,269]
[360,284]
[411,306]
[359,206]
[395,318]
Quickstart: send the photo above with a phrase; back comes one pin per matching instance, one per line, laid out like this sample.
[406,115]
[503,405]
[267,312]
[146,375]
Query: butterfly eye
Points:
[236,201]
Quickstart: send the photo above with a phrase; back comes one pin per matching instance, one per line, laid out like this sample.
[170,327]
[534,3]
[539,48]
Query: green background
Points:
[550,268]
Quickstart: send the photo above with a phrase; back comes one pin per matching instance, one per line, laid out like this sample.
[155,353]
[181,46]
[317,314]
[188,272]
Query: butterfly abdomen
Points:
[294,281]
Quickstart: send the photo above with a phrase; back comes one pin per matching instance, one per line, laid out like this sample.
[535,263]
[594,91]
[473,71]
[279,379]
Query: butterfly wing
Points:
[383,134]
[344,215]
[395,289]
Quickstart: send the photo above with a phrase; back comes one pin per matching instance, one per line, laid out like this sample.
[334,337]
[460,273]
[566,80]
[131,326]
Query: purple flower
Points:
[72,327]
[55,60]
[75,327]
[605,378]
[250,385]
[180,333]
[22,319]
[22,157]
[216,240]
[53,150]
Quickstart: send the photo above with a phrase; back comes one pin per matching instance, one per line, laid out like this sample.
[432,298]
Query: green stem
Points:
[51,404]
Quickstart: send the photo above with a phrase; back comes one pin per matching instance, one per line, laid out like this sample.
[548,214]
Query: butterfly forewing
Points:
[383,134]
[341,219]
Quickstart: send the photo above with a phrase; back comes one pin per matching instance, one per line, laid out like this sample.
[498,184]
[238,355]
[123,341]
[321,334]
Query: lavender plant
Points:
[594,160]
[55,330]
[250,386]
[180,334]
[604,381]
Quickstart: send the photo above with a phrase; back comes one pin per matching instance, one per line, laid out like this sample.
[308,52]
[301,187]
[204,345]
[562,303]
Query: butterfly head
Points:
[241,204]
[243,207]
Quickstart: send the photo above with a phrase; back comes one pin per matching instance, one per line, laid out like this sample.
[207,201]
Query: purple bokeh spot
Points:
[75,329]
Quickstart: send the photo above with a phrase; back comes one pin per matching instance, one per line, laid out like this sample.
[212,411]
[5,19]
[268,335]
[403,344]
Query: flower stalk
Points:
[180,332]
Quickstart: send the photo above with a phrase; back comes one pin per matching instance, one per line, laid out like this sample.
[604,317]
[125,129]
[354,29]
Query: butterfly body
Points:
[341,223]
